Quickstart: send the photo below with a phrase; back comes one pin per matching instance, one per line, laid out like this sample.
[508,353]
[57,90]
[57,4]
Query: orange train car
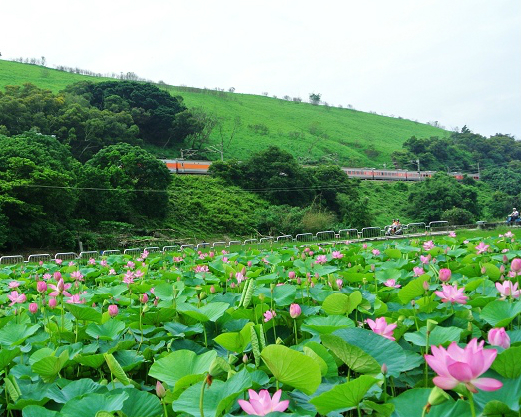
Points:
[181,166]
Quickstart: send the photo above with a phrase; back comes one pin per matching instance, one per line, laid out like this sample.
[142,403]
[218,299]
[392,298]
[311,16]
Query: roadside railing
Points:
[367,233]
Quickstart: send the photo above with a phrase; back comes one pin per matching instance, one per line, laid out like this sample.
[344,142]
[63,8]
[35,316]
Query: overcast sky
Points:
[457,62]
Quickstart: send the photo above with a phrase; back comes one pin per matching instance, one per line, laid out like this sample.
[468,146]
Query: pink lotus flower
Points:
[482,248]
[77,276]
[129,278]
[144,298]
[294,311]
[60,289]
[261,404]
[499,337]
[339,283]
[381,327]
[33,308]
[17,298]
[321,259]
[515,266]
[452,234]
[92,261]
[375,252]
[139,274]
[428,245]
[41,286]
[451,294]
[392,283]
[445,274]
[103,262]
[47,276]
[130,265]
[58,261]
[52,302]
[509,234]
[113,310]
[425,259]
[337,255]
[75,299]
[418,271]
[201,268]
[456,366]
[507,289]
[14,284]
[268,315]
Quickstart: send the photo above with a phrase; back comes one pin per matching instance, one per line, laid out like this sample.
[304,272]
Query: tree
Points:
[37,197]
[429,199]
[139,179]
[314,98]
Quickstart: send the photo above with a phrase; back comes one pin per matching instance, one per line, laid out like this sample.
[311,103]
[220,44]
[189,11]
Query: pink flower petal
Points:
[487,384]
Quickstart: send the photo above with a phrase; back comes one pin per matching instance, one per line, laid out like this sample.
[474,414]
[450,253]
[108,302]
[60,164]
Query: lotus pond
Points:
[397,328]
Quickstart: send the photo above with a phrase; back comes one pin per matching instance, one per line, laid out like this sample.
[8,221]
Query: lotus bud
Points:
[212,289]
[291,274]
[249,264]
[373,267]
[498,337]
[113,310]
[483,270]
[52,302]
[445,274]
[160,390]
[245,358]
[505,259]
[294,311]
[515,265]
[426,285]
[384,369]
[299,281]
[144,298]
[41,286]
[33,308]
[502,269]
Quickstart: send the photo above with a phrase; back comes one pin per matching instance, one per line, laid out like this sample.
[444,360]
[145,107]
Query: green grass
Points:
[312,134]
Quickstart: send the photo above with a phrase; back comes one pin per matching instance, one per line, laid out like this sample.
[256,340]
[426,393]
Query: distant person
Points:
[513,217]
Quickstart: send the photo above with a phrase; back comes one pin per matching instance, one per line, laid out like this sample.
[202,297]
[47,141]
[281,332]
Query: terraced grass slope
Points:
[311,133]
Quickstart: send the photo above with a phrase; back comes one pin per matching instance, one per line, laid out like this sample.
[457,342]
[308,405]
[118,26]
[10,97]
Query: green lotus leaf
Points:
[343,396]
[292,368]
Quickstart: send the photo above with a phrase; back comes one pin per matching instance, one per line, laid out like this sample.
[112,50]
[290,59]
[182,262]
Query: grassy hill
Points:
[311,133]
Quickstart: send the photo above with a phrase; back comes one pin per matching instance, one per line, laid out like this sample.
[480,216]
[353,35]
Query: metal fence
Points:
[323,236]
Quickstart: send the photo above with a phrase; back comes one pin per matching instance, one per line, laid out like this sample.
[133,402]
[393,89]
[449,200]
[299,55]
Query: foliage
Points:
[207,206]
[349,131]
[162,333]
[458,216]
[153,110]
[36,203]
[136,183]
[429,199]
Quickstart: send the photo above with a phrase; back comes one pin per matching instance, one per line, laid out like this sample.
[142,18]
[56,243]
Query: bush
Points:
[458,216]
[314,222]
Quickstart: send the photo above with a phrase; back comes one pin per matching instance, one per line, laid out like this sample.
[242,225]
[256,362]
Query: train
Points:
[182,166]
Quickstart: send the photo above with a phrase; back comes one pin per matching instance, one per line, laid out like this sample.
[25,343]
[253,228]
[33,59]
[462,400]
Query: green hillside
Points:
[311,133]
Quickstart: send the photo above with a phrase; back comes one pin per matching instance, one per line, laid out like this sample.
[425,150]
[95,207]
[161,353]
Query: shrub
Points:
[458,215]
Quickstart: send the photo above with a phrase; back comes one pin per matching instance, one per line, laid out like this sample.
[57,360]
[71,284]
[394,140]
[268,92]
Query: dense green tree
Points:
[153,110]
[429,199]
[37,197]
[503,179]
[137,182]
